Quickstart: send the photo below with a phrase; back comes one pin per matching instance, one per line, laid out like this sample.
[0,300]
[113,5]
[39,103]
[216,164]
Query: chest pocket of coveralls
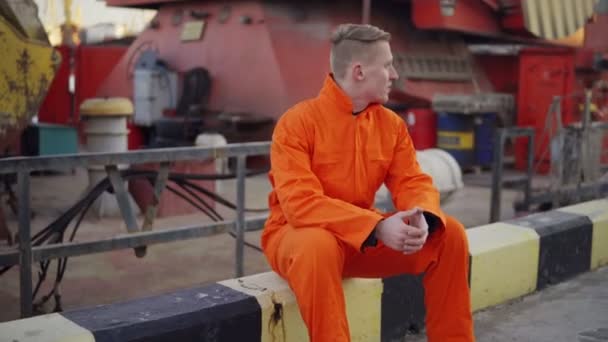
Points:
[380,159]
[330,169]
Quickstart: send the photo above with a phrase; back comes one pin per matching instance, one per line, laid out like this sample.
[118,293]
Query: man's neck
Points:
[358,104]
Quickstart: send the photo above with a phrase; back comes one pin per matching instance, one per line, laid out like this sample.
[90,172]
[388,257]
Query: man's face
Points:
[377,73]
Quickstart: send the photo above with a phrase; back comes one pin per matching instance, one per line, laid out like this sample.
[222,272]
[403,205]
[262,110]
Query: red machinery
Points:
[265,56]
[88,66]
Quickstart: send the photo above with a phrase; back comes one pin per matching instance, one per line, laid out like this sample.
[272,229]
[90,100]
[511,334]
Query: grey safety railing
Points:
[137,238]
[498,163]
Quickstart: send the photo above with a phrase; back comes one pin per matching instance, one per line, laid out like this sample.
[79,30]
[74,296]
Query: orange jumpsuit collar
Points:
[332,92]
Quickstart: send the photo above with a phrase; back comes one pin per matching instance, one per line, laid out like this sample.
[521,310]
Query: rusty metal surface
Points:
[27,69]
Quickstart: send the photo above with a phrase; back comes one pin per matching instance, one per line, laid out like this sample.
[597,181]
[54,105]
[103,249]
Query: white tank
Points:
[153,92]
[441,166]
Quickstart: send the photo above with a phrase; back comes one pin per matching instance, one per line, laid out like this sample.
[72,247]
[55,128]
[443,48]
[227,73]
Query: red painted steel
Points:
[501,71]
[136,138]
[56,107]
[139,3]
[422,126]
[543,74]
[93,64]
[471,16]
[281,57]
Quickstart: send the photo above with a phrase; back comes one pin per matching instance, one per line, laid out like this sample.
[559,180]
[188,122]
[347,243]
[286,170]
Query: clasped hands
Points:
[405,231]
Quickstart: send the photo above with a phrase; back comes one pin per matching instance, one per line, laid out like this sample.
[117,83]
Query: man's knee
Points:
[315,245]
[455,233]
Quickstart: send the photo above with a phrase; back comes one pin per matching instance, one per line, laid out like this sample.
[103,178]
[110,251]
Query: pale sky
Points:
[92,12]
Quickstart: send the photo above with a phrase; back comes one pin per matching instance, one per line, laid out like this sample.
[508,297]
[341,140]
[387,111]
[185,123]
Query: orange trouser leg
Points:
[311,260]
[445,261]
[314,262]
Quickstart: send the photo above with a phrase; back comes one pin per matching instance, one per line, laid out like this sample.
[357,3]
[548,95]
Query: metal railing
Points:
[502,136]
[138,239]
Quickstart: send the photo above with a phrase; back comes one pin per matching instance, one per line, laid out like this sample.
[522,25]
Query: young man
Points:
[329,156]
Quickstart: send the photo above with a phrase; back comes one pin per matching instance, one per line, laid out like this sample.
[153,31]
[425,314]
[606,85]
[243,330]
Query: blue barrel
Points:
[455,135]
[485,129]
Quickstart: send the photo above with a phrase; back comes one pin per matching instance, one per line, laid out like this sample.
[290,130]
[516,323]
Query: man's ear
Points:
[358,72]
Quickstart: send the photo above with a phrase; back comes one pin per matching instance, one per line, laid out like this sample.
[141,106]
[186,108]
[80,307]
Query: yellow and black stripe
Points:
[537,250]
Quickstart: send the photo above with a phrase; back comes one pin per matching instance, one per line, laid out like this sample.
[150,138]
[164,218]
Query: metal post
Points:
[557,155]
[497,175]
[122,198]
[240,212]
[25,243]
[585,153]
[366,11]
[530,170]
[159,185]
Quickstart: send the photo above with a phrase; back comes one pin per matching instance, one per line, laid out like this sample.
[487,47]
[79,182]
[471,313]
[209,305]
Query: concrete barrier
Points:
[508,260]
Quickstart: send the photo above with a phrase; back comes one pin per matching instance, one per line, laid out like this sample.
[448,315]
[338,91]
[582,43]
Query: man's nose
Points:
[393,73]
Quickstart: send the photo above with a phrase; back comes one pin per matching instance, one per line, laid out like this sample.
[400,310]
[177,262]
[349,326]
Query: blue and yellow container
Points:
[455,135]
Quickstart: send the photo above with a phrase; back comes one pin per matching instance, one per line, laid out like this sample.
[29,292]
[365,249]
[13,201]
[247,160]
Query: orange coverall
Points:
[326,166]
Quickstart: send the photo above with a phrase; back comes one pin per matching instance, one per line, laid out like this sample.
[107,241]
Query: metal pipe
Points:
[133,240]
[25,244]
[497,175]
[71,161]
[241,164]
[159,185]
[365,16]
[530,170]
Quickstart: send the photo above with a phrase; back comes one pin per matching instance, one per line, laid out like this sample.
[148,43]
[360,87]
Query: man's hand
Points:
[396,233]
[419,234]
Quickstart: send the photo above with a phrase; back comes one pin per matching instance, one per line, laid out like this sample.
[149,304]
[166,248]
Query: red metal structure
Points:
[265,56]
[89,65]
[543,74]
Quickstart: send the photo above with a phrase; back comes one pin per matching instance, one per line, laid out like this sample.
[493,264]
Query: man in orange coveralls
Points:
[329,156]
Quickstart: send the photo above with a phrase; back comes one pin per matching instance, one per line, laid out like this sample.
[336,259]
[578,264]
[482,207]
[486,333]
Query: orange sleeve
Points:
[300,192]
[409,186]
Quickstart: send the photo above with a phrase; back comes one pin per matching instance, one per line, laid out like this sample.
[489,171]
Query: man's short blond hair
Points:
[350,41]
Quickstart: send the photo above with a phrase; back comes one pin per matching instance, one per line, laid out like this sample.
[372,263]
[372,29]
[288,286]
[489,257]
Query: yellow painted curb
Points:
[47,328]
[281,319]
[504,263]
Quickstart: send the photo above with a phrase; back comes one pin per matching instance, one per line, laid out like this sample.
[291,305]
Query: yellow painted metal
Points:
[106,107]
[504,263]
[27,67]
[281,319]
[555,19]
[455,140]
[597,211]
[51,327]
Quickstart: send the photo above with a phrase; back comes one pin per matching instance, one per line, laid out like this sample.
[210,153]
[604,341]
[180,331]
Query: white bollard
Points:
[441,166]
[105,128]
[221,163]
